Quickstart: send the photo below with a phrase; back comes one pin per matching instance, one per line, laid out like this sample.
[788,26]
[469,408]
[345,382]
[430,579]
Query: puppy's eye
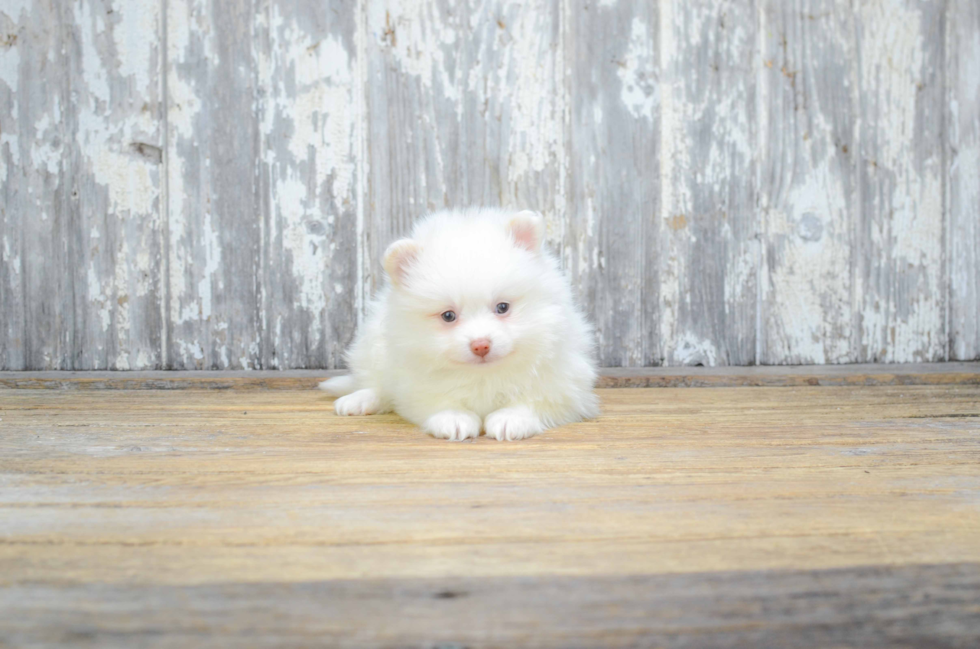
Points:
[502,308]
[449,316]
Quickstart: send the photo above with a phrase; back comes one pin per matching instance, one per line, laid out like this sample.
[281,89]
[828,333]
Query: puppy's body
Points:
[477,329]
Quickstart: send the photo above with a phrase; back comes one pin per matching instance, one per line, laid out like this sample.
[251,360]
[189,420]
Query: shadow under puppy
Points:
[476,329]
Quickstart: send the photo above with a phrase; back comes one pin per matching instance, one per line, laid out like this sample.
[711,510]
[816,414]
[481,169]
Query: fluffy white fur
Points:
[540,370]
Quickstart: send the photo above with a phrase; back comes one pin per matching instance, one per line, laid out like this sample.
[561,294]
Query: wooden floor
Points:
[684,517]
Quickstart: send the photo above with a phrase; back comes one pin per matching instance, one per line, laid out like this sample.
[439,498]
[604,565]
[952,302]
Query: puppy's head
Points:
[473,290]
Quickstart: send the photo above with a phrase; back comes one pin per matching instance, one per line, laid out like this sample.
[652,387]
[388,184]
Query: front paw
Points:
[362,402]
[454,425]
[512,424]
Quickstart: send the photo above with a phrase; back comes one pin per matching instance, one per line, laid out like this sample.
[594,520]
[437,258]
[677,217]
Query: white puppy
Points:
[476,329]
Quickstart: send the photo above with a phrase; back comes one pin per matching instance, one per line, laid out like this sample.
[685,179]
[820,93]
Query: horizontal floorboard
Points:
[800,516]
[895,606]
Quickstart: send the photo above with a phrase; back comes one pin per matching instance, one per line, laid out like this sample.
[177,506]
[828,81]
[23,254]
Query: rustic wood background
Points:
[204,184]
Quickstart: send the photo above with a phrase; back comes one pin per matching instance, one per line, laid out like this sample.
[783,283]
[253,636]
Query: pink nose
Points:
[480,347]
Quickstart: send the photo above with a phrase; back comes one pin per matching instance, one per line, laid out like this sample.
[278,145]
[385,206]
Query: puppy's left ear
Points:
[399,258]
[527,230]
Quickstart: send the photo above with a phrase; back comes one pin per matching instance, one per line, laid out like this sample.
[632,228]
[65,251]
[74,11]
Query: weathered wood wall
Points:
[197,184]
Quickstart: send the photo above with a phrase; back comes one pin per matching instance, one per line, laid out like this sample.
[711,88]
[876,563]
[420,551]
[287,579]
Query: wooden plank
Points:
[807,182]
[215,201]
[963,187]
[80,233]
[709,517]
[38,213]
[311,177]
[117,95]
[511,108]
[900,279]
[610,232]
[904,606]
[464,107]
[216,473]
[709,222]
[610,377]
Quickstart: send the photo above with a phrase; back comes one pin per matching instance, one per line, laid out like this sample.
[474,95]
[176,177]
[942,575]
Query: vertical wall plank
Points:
[464,108]
[116,89]
[413,122]
[36,211]
[215,199]
[611,239]
[807,181]
[901,275]
[963,188]
[81,153]
[308,87]
[708,224]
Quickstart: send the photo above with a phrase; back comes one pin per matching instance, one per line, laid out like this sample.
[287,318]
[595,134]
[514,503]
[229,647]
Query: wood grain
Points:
[807,183]
[37,214]
[611,232]
[900,277]
[906,606]
[187,185]
[691,517]
[80,179]
[215,219]
[962,116]
[115,86]
[710,255]
[311,183]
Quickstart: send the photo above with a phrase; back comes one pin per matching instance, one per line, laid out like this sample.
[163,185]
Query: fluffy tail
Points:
[338,386]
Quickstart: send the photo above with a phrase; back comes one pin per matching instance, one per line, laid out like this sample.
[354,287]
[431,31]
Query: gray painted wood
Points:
[807,183]
[963,186]
[710,256]
[191,185]
[80,180]
[612,238]
[115,81]
[213,190]
[36,189]
[310,180]
[900,275]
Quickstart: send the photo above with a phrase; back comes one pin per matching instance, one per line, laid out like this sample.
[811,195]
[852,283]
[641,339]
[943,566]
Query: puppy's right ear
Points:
[527,230]
[399,257]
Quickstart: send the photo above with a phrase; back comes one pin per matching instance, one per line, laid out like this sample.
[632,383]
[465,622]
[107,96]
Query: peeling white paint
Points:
[502,71]
[417,33]
[637,72]
[908,222]
[105,142]
[13,9]
[47,149]
[137,19]
[97,295]
[529,84]
[673,196]
[691,350]
[192,350]
[144,360]
[963,71]
[9,66]
[212,263]
[316,121]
